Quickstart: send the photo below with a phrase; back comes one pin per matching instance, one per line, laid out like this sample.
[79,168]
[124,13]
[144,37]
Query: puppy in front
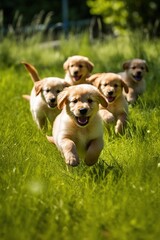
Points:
[43,98]
[77,69]
[78,129]
[111,86]
[133,76]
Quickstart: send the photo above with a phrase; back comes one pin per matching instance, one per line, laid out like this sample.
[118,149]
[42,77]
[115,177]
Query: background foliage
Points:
[115,15]
[120,15]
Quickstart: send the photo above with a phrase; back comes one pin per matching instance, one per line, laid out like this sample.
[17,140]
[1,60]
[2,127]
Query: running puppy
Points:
[78,129]
[133,76]
[111,86]
[43,98]
[77,69]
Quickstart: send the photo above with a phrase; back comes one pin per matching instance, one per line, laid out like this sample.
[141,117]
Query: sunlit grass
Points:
[118,198]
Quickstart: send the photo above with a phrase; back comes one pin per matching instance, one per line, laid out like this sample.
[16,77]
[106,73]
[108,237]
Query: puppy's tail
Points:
[32,71]
[50,139]
[27,97]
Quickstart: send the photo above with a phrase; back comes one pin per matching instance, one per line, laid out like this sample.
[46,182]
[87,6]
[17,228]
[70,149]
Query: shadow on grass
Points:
[102,171]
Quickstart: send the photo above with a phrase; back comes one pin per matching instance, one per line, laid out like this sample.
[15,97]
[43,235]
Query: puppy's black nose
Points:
[83,111]
[139,73]
[75,73]
[52,100]
[110,93]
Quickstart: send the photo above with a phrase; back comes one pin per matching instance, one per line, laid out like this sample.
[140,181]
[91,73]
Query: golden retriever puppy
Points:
[111,86]
[133,76]
[78,129]
[43,98]
[77,69]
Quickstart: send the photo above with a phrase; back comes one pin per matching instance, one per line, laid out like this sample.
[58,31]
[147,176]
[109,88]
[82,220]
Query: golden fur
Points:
[77,69]
[43,98]
[133,76]
[111,86]
[78,129]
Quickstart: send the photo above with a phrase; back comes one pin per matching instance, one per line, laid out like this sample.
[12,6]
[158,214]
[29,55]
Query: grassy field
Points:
[116,199]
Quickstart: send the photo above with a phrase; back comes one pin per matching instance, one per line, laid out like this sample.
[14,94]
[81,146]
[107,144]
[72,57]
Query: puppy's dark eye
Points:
[142,68]
[133,67]
[115,85]
[105,84]
[90,100]
[75,101]
[47,90]
[80,65]
[58,91]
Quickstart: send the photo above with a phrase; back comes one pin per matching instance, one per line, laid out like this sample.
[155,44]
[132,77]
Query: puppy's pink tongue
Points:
[82,120]
[138,78]
[77,78]
[110,99]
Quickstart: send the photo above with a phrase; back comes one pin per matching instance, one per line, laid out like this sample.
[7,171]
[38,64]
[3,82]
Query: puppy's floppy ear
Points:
[62,98]
[146,66]
[94,79]
[90,65]
[124,85]
[126,65]
[66,64]
[38,86]
[102,100]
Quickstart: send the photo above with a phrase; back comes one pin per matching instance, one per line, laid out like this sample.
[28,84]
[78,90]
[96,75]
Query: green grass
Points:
[116,199]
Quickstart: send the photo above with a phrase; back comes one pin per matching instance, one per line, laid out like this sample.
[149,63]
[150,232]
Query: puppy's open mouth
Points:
[110,99]
[76,78]
[137,77]
[52,105]
[82,121]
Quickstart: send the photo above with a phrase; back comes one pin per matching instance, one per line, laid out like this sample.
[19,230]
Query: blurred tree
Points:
[114,13]
[144,15]
[120,15]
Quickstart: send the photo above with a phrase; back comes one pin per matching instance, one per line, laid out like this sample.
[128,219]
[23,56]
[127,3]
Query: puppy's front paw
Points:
[72,162]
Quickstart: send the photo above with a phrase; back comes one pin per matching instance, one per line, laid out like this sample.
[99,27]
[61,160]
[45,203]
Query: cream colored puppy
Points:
[111,86]
[43,98]
[77,69]
[78,129]
[133,76]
